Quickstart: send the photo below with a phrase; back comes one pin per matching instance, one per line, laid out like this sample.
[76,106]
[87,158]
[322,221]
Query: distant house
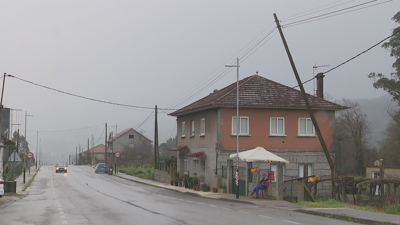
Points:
[96,154]
[271,115]
[135,148]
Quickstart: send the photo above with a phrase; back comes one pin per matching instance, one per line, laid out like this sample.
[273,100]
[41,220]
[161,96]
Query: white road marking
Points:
[189,201]
[64,222]
[213,206]
[244,212]
[265,216]
[200,203]
[62,216]
[227,209]
[61,212]
[290,222]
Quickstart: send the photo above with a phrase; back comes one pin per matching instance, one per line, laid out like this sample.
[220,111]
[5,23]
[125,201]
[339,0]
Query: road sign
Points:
[14,157]
[29,155]
[117,154]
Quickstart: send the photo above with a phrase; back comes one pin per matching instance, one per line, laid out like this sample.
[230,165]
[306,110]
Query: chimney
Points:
[320,85]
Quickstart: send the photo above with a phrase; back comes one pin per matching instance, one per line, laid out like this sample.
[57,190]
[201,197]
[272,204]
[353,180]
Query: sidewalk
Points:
[12,197]
[337,213]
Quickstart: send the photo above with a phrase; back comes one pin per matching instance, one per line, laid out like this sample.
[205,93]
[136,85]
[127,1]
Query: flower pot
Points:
[214,190]
[221,190]
[190,185]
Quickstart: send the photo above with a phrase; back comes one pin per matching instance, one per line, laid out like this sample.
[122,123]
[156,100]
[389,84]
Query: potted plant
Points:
[214,190]
[196,187]
[222,188]
[204,187]
[201,179]
[195,181]
[180,182]
[190,182]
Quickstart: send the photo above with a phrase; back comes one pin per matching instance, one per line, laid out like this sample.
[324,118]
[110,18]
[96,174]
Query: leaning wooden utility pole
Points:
[320,137]
[1,140]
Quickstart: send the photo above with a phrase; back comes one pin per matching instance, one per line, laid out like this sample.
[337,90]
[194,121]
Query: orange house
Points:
[271,115]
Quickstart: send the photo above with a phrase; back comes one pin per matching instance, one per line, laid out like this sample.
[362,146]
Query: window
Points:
[376,174]
[273,169]
[195,166]
[277,126]
[185,166]
[306,126]
[192,128]
[183,129]
[131,136]
[243,125]
[131,146]
[202,126]
[301,169]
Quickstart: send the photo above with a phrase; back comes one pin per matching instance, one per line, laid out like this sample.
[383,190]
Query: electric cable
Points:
[83,97]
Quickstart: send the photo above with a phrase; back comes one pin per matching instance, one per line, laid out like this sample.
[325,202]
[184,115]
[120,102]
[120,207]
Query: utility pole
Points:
[105,146]
[76,155]
[320,137]
[37,143]
[1,140]
[88,151]
[155,138]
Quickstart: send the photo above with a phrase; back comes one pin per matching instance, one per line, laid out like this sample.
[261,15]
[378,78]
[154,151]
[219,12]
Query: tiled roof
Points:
[97,149]
[124,132]
[198,155]
[258,92]
[180,149]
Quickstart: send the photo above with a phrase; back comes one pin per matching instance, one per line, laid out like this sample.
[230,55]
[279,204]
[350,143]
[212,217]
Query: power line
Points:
[335,13]
[55,131]
[137,127]
[83,97]
[394,33]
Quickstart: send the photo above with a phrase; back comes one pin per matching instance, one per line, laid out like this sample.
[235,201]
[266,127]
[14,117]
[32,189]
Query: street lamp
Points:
[25,147]
[237,126]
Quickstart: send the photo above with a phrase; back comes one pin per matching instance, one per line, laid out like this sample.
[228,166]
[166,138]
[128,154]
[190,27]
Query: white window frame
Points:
[277,126]
[301,169]
[203,127]
[183,129]
[307,120]
[185,166]
[192,128]
[240,125]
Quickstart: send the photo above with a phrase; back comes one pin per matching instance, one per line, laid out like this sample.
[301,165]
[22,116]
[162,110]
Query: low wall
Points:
[162,176]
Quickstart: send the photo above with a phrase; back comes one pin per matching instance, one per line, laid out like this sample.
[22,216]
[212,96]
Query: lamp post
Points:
[25,147]
[237,126]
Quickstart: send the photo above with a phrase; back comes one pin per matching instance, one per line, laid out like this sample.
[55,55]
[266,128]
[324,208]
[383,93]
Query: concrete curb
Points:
[346,217]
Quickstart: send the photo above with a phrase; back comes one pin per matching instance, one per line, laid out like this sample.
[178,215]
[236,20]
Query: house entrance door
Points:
[242,180]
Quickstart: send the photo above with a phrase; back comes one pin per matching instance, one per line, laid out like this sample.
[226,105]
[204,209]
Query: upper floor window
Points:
[192,128]
[277,126]
[131,136]
[203,126]
[243,125]
[306,126]
[183,129]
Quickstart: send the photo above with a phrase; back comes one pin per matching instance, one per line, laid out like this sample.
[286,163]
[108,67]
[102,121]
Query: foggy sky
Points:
[157,52]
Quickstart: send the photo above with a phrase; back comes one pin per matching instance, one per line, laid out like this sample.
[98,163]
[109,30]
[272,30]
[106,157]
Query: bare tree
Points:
[351,136]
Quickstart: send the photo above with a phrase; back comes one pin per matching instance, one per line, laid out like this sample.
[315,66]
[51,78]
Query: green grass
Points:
[144,171]
[388,209]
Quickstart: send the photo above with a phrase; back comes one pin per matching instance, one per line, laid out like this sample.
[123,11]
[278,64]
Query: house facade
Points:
[134,147]
[95,154]
[271,115]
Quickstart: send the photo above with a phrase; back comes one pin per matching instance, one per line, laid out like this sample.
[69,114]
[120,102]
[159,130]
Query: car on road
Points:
[1,187]
[61,168]
[101,168]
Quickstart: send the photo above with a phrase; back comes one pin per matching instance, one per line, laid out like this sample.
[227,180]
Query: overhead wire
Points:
[335,13]
[218,70]
[83,97]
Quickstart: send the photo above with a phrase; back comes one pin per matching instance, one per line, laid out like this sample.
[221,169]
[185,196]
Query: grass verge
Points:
[377,207]
[143,171]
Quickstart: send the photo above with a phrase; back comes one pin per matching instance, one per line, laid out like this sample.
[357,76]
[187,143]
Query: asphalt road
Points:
[84,197]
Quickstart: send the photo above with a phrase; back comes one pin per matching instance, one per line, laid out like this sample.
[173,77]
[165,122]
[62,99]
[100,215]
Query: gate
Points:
[242,180]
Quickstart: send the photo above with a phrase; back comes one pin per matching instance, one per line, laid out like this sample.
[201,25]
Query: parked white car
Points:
[1,187]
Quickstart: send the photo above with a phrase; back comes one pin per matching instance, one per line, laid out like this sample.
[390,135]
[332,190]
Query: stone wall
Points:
[162,176]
